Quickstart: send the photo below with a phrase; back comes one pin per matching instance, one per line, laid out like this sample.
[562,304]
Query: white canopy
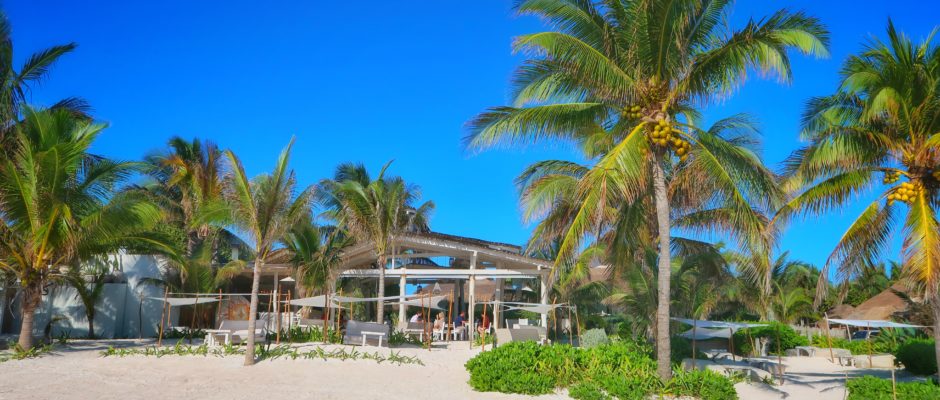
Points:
[717,324]
[864,323]
[186,301]
[345,299]
[705,334]
[315,301]
[537,308]
[434,302]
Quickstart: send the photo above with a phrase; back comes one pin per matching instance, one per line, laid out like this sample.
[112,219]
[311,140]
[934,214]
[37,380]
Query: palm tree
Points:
[882,123]
[88,282]
[58,204]
[375,211]
[263,209]
[621,79]
[16,85]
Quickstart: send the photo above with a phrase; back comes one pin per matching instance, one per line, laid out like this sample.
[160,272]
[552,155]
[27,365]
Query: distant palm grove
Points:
[686,216]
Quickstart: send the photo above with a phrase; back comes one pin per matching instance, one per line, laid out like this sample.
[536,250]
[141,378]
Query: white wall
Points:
[125,310]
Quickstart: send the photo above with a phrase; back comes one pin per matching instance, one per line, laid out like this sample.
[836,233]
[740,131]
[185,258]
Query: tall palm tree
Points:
[375,212]
[879,128]
[263,209]
[16,85]
[59,206]
[620,79]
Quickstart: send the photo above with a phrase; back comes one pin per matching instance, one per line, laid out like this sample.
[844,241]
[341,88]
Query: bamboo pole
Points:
[868,340]
[483,325]
[450,315]
[192,324]
[894,384]
[578,324]
[277,315]
[694,324]
[326,317]
[570,328]
[290,317]
[730,342]
[779,368]
[429,323]
[832,357]
[166,291]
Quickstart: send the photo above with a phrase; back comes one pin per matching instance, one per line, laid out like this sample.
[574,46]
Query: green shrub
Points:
[623,370]
[701,384]
[918,356]
[594,337]
[587,391]
[789,338]
[871,388]
[857,347]
[682,349]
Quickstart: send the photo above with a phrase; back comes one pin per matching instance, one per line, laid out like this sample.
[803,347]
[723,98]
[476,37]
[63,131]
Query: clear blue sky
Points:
[374,81]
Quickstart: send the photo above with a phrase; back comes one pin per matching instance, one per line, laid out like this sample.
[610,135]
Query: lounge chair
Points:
[415,329]
[364,333]
[530,334]
[236,332]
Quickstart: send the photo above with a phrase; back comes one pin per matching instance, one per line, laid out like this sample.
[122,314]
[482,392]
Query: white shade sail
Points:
[434,302]
[186,301]
[315,301]
[705,334]
[864,323]
[716,324]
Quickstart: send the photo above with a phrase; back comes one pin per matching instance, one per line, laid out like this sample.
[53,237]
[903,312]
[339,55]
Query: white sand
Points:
[79,372]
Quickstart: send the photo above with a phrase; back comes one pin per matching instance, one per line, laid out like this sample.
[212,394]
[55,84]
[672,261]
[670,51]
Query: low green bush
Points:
[871,388]
[918,356]
[623,370]
[789,338]
[594,337]
[857,347]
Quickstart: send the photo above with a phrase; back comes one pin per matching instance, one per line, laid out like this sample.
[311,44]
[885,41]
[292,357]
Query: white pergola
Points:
[470,259]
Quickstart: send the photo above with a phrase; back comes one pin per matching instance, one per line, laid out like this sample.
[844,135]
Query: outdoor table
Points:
[227,334]
[366,334]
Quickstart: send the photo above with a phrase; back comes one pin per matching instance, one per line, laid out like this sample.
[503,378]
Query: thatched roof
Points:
[841,311]
[882,306]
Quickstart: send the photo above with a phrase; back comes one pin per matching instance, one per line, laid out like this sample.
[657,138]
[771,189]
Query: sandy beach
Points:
[79,371]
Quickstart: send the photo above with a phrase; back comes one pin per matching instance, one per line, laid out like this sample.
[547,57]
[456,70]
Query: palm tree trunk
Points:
[380,312]
[663,351]
[91,324]
[253,313]
[32,297]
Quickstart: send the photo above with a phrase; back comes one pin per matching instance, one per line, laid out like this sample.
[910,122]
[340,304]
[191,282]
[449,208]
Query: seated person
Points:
[460,319]
[439,321]
[418,317]
[484,325]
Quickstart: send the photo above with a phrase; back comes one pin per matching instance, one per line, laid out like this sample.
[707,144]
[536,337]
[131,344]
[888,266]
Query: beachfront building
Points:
[456,267]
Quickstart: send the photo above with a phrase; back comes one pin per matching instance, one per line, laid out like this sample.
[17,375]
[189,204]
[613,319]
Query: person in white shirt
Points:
[417,317]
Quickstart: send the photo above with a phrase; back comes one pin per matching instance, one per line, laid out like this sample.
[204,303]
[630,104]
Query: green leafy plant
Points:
[263,352]
[594,337]
[624,370]
[918,356]
[20,353]
[871,388]
[772,332]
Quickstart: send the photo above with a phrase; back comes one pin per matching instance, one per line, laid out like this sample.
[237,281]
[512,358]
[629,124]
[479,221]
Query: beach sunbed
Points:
[363,333]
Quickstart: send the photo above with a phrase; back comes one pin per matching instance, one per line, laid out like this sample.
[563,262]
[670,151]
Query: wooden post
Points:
[326,316]
[731,343]
[694,325]
[290,316]
[578,324]
[779,356]
[570,327]
[450,315]
[894,384]
[832,357]
[166,291]
[277,315]
[868,340]
[218,315]
[192,324]
[483,325]
[554,319]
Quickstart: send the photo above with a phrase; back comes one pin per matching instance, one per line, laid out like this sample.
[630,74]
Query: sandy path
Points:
[81,373]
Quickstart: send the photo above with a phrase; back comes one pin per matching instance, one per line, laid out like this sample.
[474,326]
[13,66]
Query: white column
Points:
[473,297]
[497,304]
[543,280]
[402,308]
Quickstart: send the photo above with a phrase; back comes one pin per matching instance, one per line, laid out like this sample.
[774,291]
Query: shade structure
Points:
[432,302]
[187,301]
[698,323]
[706,334]
[315,301]
[536,308]
[348,299]
[864,323]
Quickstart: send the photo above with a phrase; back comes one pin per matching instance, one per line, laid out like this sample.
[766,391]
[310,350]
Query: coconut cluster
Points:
[633,111]
[891,177]
[906,192]
[663,134]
